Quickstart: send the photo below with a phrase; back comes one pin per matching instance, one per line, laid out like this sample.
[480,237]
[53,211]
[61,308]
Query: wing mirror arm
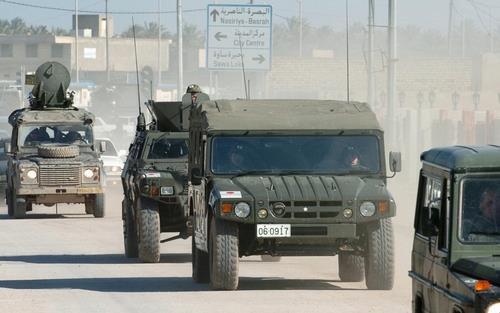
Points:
[394,163]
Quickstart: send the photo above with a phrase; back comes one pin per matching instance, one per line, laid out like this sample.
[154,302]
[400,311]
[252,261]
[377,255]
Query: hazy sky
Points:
[423,13]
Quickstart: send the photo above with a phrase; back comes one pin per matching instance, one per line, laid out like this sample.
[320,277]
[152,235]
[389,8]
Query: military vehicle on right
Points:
[456,247]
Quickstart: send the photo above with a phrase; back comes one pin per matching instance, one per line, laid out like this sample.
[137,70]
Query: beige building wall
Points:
[91,54]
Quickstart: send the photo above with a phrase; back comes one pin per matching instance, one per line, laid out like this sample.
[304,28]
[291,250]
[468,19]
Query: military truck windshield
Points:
[168,148]
[480,212]
[295,154]
[33,135]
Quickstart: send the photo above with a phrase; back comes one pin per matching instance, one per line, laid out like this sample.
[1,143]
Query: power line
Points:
[95,11]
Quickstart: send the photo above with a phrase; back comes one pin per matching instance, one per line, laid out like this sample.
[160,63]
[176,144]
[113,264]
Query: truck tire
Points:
[19,206]
[129,232]
[223,254]
[351,267]
[270,258]
[199,258]
[10,203]
[98,209]
[57,150]
[379,255]
[149,235]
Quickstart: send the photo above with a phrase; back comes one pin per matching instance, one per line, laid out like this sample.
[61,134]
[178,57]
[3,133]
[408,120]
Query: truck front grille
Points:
[60,175]
[310,209]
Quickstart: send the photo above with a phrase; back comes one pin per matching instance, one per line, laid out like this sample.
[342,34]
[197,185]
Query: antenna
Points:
[347,46]
[136,67]
[243,68]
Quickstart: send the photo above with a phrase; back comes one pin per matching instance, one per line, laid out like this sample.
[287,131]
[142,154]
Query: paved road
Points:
[71,262]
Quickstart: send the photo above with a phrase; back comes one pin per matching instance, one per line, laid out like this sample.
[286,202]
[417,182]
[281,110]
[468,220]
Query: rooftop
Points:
[463,157]
[287,115]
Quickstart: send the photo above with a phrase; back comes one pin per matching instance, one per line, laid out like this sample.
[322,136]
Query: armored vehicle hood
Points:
[322,190]
[50,116]
[487,268]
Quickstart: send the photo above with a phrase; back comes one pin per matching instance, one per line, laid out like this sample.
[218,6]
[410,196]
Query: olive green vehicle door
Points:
[430,246]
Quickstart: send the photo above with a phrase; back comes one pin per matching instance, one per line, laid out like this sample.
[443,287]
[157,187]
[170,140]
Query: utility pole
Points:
[76,44]
[107,44]
[371,78]
[463,38]
[391,71]
[300,28]
[159,44]
[450,28]
[180,78]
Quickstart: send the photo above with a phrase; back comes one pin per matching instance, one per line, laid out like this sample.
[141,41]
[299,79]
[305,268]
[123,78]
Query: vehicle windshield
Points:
[480,212]
[319,154]
[168,148]
[33,135]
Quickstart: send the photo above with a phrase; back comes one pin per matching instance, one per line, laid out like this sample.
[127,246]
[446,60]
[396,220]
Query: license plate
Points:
[273,230]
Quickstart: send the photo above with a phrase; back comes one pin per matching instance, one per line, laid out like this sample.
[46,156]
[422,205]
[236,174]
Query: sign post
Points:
[238,34]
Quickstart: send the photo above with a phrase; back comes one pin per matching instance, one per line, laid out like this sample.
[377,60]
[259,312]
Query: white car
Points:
[112,162]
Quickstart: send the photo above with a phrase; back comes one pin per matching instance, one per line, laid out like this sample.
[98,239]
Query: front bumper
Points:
[59,190]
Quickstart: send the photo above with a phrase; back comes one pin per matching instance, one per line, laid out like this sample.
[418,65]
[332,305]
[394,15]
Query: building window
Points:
[57,50]
[32,50]
[6,50]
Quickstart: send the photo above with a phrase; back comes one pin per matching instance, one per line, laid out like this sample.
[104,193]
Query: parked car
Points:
[112,162]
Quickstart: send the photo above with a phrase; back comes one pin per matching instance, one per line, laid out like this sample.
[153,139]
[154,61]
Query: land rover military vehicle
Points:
[289,178]
[155,180]
[455,263]
[52,156]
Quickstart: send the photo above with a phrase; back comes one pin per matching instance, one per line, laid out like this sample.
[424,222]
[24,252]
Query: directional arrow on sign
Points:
[214,14]
[260,58]
[219,36]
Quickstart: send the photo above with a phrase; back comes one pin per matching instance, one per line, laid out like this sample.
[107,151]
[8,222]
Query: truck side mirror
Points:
[196,176]
[395,161]
[102,146]
[430,222]
[7,147]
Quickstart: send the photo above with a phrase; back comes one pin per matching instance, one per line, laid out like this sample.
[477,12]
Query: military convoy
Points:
[455,255]
[289,177]
[271,178]
[52,156]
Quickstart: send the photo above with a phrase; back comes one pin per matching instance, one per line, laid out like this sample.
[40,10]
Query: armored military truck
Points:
[52,157]
[155,180]
[289,178]
[455,256]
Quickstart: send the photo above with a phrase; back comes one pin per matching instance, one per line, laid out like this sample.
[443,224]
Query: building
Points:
[24,53]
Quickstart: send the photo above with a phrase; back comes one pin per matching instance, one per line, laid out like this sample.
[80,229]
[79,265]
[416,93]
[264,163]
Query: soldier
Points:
[193,89]
[485,220]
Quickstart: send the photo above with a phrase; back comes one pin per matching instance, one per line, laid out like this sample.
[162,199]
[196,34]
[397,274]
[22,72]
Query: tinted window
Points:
[33,135]
[168,148]
[308,154]
[480,210]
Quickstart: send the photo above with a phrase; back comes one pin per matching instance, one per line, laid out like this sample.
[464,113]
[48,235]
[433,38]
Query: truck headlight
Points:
[88,173]
[493,308]
[167,190]
[31,174]
[242,209]
[367,208]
